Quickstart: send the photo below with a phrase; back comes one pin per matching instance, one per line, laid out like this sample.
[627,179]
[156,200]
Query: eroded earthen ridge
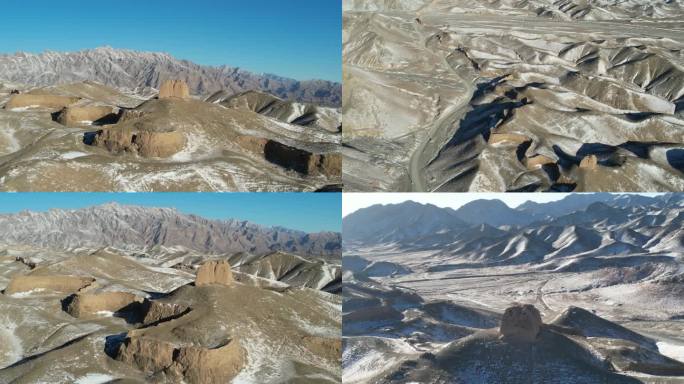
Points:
[191,363]
[55,283]
[174,88]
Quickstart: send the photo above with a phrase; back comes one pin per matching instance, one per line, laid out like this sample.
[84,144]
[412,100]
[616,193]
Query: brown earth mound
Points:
[174,88]
[145,143]
[182,361]
[252,144]
[89,304]
[57,283]
[214,272]
[520,323]
[44,101]
[71,116]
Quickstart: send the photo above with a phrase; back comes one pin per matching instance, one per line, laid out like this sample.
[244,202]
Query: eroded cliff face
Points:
[214,272]
[303,161]
[183,361]
[49,283]
[91,304]
[146,143]
[85,115]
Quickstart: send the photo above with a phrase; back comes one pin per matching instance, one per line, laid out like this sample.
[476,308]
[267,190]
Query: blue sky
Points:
[292,38]
[311,212]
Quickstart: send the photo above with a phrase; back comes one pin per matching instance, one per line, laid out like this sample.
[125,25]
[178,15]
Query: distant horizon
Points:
[352,202]
[300,40]
[37,53]
[307,212]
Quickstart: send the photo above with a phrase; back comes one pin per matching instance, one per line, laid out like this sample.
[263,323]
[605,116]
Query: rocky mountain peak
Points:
[139,228]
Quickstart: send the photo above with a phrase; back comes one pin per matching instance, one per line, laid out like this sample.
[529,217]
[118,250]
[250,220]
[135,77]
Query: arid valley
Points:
[509,95]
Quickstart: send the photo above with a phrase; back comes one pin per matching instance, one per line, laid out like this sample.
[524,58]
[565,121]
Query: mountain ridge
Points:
[138,227]
[134,70]
[617,226]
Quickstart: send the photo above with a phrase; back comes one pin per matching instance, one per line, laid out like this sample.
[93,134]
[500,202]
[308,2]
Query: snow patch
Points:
[94,378]
[672,351]
[22,295]
[73,155]
[23,109]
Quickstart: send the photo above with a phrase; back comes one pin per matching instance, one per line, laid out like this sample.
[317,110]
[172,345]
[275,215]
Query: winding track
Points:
[445,121]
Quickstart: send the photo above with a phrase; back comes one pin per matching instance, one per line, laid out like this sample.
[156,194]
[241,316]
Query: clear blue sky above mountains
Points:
[301,39]
[310,212]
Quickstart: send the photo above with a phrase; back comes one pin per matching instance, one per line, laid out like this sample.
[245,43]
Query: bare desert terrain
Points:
[585,290]
[509,95]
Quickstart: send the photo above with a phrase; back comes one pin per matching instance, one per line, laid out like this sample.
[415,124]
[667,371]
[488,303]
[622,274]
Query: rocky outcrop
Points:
[55,283]
[520,323]
[84,304]
[330,164]
[174,88]
[159,144]
[252,144]
[303,161]
[144,143]
[214,272]
[40,101]
[73,116]
[183,361]
[296,159]
[127,305]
